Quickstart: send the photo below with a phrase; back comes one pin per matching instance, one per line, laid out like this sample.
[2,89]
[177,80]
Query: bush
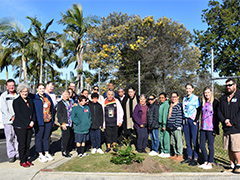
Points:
[126,156]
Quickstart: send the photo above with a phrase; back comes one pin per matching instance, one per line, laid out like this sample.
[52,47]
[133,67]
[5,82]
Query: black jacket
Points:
[23,114]
[230,111]
[153,116]
[62,112]
[96,115]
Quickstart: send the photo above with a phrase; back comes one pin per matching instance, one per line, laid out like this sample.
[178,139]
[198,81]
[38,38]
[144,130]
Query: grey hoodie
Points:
[6,109]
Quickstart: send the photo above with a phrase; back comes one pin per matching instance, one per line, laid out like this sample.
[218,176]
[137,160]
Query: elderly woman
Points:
[44,108]
[23,123]
[140,124]
[64,118]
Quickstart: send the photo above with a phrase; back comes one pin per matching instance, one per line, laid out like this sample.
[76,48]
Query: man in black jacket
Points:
[229,115]
[97,123]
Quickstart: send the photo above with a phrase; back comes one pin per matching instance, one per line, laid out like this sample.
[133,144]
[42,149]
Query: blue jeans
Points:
[95,135]
[154,134]
[207,135]
[42,137]
[191,133]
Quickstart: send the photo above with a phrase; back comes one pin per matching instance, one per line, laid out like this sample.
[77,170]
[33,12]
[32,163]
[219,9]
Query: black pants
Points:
[67,136]
[24,140]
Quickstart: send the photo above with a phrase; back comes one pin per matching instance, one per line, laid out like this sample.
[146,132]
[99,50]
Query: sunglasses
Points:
[229,85]
[95,89]
[150,99]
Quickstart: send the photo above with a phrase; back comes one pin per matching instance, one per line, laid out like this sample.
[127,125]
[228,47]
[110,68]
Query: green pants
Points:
[164,141]
[177,142]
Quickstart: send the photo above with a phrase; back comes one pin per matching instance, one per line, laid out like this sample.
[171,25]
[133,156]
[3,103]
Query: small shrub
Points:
[125,156]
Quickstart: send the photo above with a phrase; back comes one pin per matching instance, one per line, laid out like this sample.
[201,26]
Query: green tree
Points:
[222,35]
[44,44]
[72,43]
[168,61]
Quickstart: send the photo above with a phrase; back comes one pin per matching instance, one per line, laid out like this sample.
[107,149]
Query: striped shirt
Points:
[176,117]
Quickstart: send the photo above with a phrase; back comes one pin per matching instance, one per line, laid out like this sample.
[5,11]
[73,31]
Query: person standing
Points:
[229,116]
[73,87]
[49,90]
[111,87]
[208,127]
[64,119]
[140,124]
[191,104]
[121,94]
[96,90]
[128,106]
[8,117]
[112,119]
[164,134]
[174,125]
[97,123]
[23,123]
[44,109]
[153,124]
[81,118]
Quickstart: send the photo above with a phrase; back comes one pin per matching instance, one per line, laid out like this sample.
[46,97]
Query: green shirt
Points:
[163,113]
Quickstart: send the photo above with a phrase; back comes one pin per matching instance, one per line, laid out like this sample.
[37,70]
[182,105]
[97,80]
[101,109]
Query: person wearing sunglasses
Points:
[153,124]
[96,90]
[229,116]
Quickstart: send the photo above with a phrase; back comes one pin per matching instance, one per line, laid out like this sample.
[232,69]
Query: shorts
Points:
[111,133]
[231,142]
[81,138]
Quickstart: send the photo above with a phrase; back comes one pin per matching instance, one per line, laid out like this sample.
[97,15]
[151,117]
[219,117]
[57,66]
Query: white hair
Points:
[22,86]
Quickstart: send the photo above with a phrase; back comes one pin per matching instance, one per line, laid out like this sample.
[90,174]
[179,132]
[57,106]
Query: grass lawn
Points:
[101,163]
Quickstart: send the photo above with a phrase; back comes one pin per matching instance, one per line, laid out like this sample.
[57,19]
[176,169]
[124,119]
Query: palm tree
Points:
[76,27]
[16,41]
[44,43]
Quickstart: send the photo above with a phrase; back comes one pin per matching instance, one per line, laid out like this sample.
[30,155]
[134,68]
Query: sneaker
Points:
[85,154]
[12,160]
[161,155]
[202,165]
[193,163]
[100,151]
[115,150]
[107,150]
[42,159]
[186,161]
[207,166]
[80,155]
[166,155]
[153,153]
[49,157]
[93,151]
[237,169]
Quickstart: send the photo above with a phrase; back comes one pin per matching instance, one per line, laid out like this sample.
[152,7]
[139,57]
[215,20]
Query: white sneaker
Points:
[93,151]
[161,155]
[49,157]
[207,167]
[85,154]
[202,165]
[100,151]
[42,158]
[153,153]
[80,155]
[166,155]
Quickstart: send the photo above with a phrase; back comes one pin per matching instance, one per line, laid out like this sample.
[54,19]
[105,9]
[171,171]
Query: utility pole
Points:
[99,80]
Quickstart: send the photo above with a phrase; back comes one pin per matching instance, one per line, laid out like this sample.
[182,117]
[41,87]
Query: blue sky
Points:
[187,12]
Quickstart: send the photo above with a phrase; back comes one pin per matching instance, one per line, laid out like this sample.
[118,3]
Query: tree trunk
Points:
[24,66]
[20,72]
[6,73]
[81,67]
[41,66]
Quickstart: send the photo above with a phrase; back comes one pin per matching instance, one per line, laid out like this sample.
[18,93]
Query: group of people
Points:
[82,117]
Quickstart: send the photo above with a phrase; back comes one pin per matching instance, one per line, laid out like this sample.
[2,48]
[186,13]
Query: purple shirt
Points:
[144,113]
[207,117]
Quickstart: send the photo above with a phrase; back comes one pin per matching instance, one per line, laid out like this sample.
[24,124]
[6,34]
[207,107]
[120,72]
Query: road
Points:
[54,147]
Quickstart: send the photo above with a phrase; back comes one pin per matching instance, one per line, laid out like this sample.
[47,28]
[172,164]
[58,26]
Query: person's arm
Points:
[215,117]
[165,115]
[198,108]
[220,115]
[156,114]
[135,116]
[6,115]
[100,116]
[120,113]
